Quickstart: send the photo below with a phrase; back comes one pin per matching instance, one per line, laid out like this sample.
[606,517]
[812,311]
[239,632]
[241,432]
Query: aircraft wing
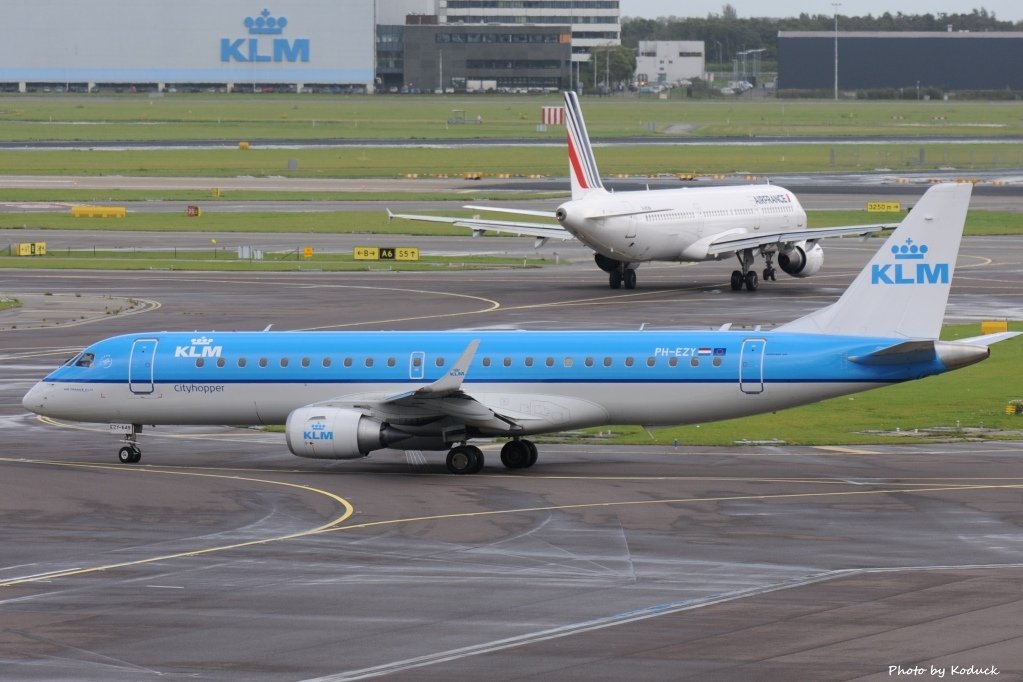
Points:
[480,225]
[737,242]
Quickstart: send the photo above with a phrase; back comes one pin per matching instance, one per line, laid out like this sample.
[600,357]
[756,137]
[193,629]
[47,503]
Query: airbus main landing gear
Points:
[465,459]
[746,276]
[622,275]
[518,454]
[769,271]
[131,453]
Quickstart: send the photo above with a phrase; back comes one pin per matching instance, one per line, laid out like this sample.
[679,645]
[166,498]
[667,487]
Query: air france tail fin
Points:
[903,290]
[582,166]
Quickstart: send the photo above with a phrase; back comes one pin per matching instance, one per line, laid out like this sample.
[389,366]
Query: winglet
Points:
[582,165]
[452,381]
[903,290]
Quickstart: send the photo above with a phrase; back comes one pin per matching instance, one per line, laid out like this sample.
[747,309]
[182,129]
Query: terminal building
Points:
[900,60]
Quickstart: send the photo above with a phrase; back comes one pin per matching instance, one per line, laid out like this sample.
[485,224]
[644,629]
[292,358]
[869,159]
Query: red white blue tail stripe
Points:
[582,166]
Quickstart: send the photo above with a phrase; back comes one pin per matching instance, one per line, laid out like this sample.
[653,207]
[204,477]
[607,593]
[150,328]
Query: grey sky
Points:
[1006,10]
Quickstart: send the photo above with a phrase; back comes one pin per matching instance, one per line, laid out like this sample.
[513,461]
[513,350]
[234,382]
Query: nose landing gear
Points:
[131,453]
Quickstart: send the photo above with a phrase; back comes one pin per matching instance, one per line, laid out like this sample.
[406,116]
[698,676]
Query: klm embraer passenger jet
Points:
[343,395]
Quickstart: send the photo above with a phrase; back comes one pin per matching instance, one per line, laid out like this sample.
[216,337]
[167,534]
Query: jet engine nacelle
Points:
[606,264]
[800,261]
[335,433]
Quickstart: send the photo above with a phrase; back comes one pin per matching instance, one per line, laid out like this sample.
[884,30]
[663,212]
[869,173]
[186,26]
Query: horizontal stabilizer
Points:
[504,226]
[904,353]
[951,354]
[513,211]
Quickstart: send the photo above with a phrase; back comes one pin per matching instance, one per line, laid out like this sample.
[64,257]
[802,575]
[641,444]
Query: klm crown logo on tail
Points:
[910,267]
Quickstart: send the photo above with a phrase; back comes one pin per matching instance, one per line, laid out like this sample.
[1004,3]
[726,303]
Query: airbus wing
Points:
[728,243]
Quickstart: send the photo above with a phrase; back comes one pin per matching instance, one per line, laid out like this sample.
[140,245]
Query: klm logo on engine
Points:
[910,267]
[257,48]
[201,347]
[317,431]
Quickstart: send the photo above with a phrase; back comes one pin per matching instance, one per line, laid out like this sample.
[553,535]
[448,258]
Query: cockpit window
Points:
[85,360]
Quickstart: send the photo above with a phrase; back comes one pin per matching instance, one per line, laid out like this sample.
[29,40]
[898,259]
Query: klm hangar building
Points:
[232,44]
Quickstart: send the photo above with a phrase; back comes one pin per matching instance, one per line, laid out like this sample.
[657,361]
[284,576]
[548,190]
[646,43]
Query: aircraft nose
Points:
[35,399]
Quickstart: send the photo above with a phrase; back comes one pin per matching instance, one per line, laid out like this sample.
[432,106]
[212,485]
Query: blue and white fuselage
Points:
[540,381]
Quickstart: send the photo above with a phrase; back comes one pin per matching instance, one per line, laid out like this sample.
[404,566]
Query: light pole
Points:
[836,5]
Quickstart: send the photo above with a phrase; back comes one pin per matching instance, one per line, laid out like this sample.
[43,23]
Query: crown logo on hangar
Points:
[265,24]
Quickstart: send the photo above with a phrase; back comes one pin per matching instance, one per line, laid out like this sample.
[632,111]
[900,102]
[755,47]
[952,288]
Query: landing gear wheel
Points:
[129,454]
[465,459]
[615,279]
[736,280]
[769,275]
[516,454]
[751,281]
[630,278]
[532,452]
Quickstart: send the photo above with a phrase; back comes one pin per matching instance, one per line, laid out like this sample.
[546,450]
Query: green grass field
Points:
[517,161]
[261,117]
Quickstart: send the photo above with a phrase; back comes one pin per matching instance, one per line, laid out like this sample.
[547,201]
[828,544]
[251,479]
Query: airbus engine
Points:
[606,264]
[800,261]
[335,433]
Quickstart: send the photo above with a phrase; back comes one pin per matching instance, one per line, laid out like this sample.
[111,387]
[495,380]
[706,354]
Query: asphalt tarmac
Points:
[223,557]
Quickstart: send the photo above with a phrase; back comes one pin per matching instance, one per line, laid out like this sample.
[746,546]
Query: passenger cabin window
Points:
[390,362]
[607,362]
[650,362]
[348,362]
[439,362]
[221,362]
[262,362]
[506,362]
[486,362]
[326,362]
[199,362]
[305,362]
[369,362]
[242,362]
[284,362]
[528,362]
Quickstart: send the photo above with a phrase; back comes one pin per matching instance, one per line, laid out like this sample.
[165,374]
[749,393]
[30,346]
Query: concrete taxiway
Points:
[223,557]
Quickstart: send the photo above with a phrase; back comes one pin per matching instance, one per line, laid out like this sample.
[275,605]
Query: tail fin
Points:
[582,166]
[903,290]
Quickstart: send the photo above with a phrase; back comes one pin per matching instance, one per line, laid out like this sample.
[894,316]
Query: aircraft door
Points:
[140,366]
[751,366]
[416,365]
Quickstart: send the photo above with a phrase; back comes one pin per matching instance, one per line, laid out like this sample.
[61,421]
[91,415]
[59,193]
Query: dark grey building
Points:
[876,60]
[481,57]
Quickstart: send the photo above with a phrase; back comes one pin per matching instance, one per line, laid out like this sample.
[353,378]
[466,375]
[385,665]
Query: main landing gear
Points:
[622,275]
[131,453]
[468,459]
[747,277]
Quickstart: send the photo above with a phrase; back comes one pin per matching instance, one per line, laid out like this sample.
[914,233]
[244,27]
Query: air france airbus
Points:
[625,229]
[343,395]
